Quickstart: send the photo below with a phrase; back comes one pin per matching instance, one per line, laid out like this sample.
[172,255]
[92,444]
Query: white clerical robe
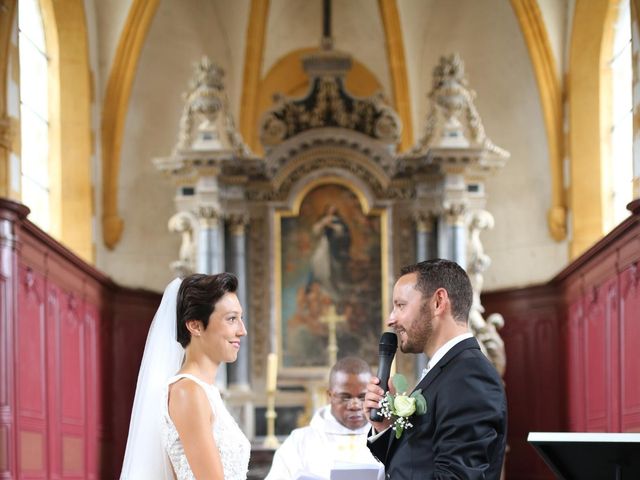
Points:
[317,448]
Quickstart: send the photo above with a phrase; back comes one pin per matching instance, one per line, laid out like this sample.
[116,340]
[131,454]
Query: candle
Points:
[272,371]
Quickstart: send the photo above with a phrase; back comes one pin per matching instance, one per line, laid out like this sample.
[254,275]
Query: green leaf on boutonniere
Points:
[399,430]
[421,402]
[389,399]
[400,383]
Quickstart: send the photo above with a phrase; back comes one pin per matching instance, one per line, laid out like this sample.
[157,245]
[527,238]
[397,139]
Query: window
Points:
[34,117]
[621,164]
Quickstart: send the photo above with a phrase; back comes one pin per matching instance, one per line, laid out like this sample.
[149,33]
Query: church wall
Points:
[179,35]
[357,29]
[233,18]
[498,68]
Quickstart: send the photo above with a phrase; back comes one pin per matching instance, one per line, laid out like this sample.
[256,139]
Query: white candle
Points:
[272,371]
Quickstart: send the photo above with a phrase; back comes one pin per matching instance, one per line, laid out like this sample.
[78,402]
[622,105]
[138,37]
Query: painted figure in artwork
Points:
[329,261]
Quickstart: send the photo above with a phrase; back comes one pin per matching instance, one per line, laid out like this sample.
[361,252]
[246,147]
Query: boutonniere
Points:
[401,407]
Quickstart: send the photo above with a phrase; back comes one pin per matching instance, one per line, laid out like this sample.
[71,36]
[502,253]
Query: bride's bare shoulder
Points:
[186,397]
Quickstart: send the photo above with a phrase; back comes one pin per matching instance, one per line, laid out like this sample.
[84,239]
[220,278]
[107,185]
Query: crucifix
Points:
[327,41]
[331,318]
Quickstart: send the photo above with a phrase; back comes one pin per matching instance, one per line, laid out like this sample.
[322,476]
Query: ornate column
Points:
[426,249]
[210,257]
[456,233]
[238,372]
[426,241]
[456,156]
[237,264]
[209,164]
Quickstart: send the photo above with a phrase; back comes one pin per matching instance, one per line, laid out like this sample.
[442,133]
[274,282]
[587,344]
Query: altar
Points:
[318,227]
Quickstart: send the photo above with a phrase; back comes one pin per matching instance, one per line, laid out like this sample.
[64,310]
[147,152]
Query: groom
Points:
[463,433]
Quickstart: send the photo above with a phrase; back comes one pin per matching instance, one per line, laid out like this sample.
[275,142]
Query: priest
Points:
[337,434]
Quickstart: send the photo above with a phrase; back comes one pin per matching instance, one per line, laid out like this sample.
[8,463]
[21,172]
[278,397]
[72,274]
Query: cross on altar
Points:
[331,318]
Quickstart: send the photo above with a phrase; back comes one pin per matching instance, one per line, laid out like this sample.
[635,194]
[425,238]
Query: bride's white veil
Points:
[145,457]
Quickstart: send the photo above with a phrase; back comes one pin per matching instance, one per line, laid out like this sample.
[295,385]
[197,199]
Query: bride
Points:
[179,426]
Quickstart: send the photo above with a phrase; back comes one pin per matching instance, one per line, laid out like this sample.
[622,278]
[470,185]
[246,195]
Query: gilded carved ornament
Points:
[328,104]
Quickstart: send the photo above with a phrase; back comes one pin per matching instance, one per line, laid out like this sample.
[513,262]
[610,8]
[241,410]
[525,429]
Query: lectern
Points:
[589,456]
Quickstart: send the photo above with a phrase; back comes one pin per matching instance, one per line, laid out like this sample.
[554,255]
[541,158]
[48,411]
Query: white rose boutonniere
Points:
[400,407]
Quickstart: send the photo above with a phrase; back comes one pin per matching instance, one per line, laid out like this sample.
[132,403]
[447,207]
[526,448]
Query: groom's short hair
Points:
[197,298]
[441,273]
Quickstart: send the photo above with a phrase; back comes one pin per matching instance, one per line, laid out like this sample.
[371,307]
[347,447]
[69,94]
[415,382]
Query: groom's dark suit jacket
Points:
[463,433]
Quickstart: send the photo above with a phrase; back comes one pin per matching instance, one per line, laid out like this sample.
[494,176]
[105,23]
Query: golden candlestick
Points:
[271,441]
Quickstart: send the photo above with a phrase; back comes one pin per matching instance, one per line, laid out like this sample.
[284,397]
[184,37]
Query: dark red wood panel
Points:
[57,414]
[595,343]
[534,376]
[93,391]
[630,362]
[31,375]
[585,373]
[576,371]
[31,335]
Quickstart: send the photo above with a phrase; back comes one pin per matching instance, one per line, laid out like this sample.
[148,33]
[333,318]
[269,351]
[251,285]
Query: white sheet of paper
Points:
[353,471]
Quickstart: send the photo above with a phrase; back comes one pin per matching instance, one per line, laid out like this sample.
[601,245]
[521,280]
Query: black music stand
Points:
[589,456]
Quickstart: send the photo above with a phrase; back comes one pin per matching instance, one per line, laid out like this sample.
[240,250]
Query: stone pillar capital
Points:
[208,215]
[455,212]
[424,220]
[237,222]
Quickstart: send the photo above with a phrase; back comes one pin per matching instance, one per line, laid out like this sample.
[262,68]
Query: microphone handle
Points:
[383,374]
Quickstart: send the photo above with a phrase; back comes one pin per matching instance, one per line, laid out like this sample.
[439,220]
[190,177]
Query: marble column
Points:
[210,258]
[426,241]
[239,370]
[426,245]
[457,234]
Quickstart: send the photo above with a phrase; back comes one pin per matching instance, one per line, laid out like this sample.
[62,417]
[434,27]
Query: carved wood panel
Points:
[630,333]
[31,375]
[595,343]
[576,367]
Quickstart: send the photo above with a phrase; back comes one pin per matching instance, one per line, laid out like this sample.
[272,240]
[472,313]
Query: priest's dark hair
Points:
[350,365]
[197,299]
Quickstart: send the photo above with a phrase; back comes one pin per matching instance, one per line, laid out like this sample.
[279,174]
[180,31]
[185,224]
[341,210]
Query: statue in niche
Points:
[185,223]
[486,331]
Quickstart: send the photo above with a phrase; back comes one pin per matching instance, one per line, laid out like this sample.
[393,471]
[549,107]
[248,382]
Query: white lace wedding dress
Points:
[233,445]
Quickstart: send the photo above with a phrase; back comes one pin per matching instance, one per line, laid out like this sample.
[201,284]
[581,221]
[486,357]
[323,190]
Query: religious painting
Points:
[330,279]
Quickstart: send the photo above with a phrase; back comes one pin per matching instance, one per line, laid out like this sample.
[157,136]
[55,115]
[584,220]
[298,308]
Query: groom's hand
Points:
[372,399]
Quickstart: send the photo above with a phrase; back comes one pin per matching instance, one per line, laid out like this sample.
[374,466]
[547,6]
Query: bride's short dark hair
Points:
[197,298]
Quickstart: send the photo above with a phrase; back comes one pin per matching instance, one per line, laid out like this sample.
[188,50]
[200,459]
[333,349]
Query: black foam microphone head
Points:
[388,344]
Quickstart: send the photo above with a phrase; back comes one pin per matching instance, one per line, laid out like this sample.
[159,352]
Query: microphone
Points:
[386,351]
